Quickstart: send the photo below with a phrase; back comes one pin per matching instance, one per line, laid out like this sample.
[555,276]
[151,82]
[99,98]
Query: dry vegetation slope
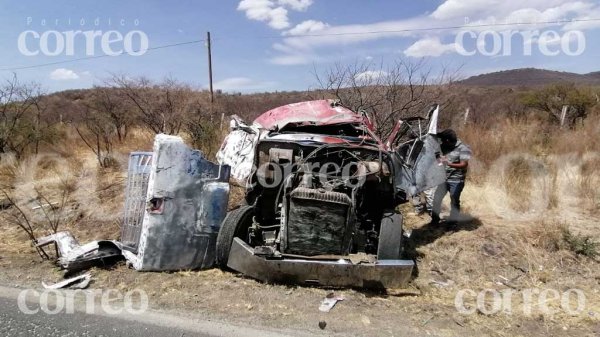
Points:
[533,213]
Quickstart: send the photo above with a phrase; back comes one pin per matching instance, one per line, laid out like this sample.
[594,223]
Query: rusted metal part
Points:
[341,273]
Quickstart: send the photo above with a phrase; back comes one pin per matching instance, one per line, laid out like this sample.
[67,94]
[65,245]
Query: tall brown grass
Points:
[531,142]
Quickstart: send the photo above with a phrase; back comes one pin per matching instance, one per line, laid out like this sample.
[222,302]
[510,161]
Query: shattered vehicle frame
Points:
[321,195]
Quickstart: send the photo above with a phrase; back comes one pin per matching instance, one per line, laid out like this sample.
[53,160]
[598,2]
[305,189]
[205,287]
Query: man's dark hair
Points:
[449,135]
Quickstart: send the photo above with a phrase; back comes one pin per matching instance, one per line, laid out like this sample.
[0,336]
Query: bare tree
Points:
[97,133]
[161,106]
[386,94]
[111,103]
[202,124]
[55,213]
[357,86]
[18,217]
[20,116]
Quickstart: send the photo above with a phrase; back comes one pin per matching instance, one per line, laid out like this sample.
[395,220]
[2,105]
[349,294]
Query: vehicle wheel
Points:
[390,237]
[235,224]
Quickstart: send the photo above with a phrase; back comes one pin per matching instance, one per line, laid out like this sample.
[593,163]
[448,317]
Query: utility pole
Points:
[210,79]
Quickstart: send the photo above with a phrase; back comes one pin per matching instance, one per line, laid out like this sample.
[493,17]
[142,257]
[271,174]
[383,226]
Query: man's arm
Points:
[459,165]
[464,156]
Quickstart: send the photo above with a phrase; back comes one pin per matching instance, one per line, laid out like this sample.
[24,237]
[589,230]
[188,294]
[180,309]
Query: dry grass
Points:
[8,170]
[535,257]
[138,139]
[581,140]
[508,137]
[534,164]
[588,182]
[517,182]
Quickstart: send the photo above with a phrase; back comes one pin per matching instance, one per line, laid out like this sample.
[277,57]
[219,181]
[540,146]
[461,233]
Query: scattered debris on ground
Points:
[77,282]
[329,302]
[74,257]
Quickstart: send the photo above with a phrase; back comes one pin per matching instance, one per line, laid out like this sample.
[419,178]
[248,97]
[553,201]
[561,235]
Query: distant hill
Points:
[531,77]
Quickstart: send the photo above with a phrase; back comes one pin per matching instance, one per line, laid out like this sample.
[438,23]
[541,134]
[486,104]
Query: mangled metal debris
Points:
[73,257]
[65,242]
[319,206]
[173,218]
[322,188]
[175,202]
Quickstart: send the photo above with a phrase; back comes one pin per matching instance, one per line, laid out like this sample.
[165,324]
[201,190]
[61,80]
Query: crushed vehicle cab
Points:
[321,194]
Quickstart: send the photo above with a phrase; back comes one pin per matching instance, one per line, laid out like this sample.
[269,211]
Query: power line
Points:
[412,29]
[96,57]
[315,35]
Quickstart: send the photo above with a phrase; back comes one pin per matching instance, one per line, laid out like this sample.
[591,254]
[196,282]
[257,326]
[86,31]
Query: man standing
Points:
[455,157]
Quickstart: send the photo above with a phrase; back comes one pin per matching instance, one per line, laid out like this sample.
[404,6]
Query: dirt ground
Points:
[486,252]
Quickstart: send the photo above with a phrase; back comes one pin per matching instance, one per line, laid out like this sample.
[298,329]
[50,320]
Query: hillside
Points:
[531,77]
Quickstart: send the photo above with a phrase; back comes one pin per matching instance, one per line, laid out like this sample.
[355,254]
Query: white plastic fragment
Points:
[77,282]
[329,302]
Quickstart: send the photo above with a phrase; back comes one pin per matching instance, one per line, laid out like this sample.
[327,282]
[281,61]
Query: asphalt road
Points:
[14,322]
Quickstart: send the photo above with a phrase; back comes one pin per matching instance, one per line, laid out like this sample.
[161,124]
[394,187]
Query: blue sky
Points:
[267,45]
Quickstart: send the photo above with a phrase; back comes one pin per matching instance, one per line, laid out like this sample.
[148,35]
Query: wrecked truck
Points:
[321,191]
[319,208]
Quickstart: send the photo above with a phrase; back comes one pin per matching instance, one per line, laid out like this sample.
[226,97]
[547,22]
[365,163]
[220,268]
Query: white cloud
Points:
[453,9]
[450,13]
[307,27]
[586,22]
[63,74]
[370,75]
[548,14]
[291,59]
[297,5]
[266,11]
[302,49]
[292,56]
[429,47]
[278,18]
[273,12]
[346,34]
[241,84]
[473,10]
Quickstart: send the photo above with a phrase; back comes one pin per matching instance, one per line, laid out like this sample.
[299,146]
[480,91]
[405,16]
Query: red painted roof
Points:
[318,112]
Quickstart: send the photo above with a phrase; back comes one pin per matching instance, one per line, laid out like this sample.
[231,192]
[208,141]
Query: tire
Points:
[390,237]
[235,224]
